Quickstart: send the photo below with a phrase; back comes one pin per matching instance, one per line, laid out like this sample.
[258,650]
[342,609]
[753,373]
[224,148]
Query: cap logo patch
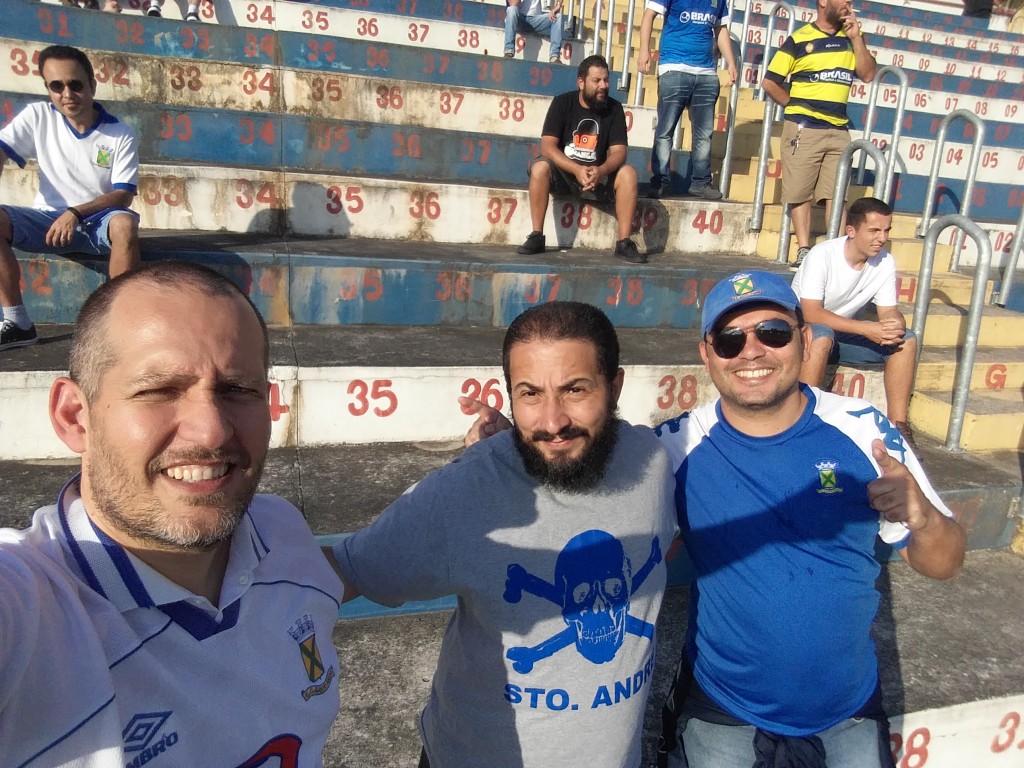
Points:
[742,285]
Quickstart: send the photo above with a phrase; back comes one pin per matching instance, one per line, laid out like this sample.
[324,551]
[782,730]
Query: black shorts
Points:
[566,185]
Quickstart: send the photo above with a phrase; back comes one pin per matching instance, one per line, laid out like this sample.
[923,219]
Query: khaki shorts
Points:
[809,165]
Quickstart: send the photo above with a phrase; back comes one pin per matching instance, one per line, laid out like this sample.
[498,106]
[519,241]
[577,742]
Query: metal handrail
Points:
[965,365]
[972,173]
[897,125]
[757,212]
[725,177]
[596,47]
[627,49]
[569,19]
[608,33]
[1011,264]
[843,171]
[781,5]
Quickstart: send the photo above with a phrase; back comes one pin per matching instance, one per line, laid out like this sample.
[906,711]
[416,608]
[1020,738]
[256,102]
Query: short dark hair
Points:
[564,320]
[860,209]
[91,352]
[591,61]
[66,53]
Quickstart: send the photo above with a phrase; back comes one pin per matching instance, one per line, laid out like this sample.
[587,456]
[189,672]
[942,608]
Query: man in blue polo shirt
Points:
[687,79]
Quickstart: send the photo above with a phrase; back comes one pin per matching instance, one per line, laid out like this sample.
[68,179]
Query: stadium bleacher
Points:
[359,166]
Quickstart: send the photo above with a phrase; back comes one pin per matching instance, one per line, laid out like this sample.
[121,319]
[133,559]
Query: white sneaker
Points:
[153,8]
[191,16]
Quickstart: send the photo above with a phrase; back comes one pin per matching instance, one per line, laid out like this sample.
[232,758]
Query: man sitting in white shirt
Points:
[836,281]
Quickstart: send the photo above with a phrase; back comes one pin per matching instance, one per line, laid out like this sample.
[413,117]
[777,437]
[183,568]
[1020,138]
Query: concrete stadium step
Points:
[946,326]
[186,198]
[995,370]
[993,421]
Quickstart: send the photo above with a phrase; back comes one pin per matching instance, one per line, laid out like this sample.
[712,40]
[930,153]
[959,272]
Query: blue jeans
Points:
[697,93]
[540,23]
[853,743]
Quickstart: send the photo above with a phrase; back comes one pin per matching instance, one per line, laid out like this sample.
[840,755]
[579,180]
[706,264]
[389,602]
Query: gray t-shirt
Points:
[548,658]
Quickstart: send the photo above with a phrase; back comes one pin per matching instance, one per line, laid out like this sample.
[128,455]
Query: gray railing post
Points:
[608,32]
[965,365]
[843,179]
[627,54]
[569,19]
[725,178]
[596,47]
[1011,263]
[757,211]
[972,173]
[773,14]
[897,127]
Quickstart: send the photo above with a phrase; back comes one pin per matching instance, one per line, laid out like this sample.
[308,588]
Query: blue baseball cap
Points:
[745,288]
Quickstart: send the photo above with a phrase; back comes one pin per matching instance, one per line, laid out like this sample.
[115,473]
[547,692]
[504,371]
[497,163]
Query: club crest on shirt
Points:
[303,632]
[103,156]
[828,478]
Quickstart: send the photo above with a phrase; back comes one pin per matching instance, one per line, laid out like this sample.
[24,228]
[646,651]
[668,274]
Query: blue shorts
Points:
[853,349]
[29,227]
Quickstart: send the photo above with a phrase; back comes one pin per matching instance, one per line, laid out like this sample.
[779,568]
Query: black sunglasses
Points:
[728,343]
[57,86]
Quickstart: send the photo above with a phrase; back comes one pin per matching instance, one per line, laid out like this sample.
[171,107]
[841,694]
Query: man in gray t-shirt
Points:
[552,536]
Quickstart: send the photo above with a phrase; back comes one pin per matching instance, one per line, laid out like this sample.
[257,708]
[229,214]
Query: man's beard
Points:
[570,475]
[834,17]
[594,104]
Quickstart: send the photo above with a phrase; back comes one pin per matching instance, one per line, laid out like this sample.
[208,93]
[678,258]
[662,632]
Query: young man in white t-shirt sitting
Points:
[88,176]
[836,281]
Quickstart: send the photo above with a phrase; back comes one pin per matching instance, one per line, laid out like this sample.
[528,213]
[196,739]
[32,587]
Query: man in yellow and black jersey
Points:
[820,61]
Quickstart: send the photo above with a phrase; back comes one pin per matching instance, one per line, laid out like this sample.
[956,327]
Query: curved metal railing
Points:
[843,172]
[897,124]
[757,211]
[965,365]
[1011,264]
[972,174]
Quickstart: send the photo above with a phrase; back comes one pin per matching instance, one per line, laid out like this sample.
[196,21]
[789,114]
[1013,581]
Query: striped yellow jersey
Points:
[821,69]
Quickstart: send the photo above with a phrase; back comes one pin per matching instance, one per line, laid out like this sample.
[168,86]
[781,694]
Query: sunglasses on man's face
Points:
[729,342]
[57,86]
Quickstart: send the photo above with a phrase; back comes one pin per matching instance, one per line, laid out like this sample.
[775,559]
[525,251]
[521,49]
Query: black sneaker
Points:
[191,16]
[12,336]
[801,254]
[535,243]
[153,8]
[657,193]
[626,249]
[705,192]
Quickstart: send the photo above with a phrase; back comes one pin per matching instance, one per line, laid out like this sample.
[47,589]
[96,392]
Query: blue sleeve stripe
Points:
[18,159]
[127,188]
[55,742]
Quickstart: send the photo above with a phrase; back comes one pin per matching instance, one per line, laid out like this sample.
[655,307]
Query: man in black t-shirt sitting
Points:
[583,154]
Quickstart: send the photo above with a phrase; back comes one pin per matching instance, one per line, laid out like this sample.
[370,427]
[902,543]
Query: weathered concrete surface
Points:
[939,644]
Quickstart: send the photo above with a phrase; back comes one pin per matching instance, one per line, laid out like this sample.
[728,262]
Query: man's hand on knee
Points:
[62,230]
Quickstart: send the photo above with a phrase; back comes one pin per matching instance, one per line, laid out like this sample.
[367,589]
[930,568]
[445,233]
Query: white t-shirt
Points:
[105,663]
[74,168]
[534,7]
[825,276]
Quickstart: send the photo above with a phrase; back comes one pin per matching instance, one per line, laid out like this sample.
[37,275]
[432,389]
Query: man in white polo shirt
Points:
[160,613]
[835,282]
[88,176]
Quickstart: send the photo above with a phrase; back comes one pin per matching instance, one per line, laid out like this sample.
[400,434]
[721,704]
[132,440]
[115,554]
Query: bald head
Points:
[92,351]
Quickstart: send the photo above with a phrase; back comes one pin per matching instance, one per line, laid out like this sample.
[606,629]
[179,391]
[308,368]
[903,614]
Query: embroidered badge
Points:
[828,479]
[742,285]
[103,157]
[304,633]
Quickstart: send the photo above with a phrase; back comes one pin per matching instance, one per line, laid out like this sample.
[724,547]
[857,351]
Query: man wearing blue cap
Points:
[781,490]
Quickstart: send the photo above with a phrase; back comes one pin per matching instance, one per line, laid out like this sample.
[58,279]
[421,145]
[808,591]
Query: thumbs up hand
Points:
[896,493]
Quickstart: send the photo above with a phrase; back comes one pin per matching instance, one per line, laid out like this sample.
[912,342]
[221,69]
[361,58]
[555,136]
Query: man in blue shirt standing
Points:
[687,79]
